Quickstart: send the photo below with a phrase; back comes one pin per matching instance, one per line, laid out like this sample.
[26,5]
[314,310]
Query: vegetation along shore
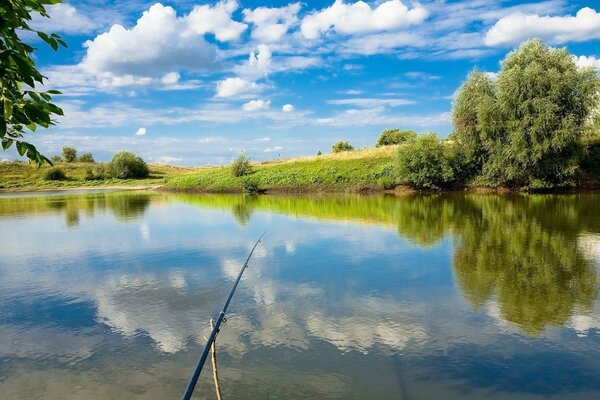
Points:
[535,125]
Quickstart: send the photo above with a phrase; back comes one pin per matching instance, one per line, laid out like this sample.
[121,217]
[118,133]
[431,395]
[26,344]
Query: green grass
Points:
[22,176]
[359,170]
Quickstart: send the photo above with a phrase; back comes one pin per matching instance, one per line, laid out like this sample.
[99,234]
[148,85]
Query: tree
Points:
[241,165]
[424,163]
[69,154]
[525,129]
[395,136]
[23,108]
[341,146]
[126,165]
[86,158]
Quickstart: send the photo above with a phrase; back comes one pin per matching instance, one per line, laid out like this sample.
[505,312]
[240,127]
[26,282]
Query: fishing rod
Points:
[187,395]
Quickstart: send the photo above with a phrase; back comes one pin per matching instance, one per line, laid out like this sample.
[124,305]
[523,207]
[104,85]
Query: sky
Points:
[195,83]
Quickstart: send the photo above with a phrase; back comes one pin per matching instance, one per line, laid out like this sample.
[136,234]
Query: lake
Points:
[108,295]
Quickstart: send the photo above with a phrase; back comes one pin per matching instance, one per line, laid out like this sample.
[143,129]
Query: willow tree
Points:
[22,108]
[529,122]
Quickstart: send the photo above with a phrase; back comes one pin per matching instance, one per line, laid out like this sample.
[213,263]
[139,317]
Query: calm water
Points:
[108,296]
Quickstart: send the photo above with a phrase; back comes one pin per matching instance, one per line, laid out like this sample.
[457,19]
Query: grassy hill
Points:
[352,171]
[22,176]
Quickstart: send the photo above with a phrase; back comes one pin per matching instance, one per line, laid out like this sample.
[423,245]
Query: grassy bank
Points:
[353,171]
[21,176]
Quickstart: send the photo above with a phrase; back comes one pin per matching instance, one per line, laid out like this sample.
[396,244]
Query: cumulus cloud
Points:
[587,61]
[216,20]
[516,27]
[236,86]
[159,43]
[270,24]
[64,18]
[287,108]
[361,18]
[256,105]
[140,132]
[258,64]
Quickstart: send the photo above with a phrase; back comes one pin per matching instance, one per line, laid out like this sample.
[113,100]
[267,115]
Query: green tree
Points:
[526,127]
[23,108]
[241,165]
[395,136]
[126,165]
[69,154]
[424,163]
[86,158]
[341,146]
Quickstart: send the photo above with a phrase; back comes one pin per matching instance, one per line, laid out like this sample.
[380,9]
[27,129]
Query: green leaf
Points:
[21,148]
[6,143]
[8,109]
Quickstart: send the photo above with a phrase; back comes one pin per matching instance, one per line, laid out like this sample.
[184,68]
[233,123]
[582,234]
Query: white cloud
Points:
[270,24]
[159,43]
[263,139]
[273,149]
[256,105]
[216,20]
[258,64]
[371,102]
[587,61]
[64,18]
[287,108]
[170,78]
[361,18]
[140,132]
[516,27]
[236,86]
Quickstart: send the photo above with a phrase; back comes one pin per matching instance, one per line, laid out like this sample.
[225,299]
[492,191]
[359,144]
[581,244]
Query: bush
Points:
[249,186]
[56,159]
[241,165]
[591,159]
[319,153]
[97,173]
[69,154]
[341,146]
[86,158]
[425,163]
[395,136]
[126,165]
[54,174]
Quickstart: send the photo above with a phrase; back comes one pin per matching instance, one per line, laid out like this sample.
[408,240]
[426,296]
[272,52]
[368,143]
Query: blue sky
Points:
[195,83]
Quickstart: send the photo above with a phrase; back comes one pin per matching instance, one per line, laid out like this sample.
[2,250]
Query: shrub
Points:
[591,159]
[69,154]
[319,153]
[241,165]
[56,159]
[97,173]
[86,158]
[425,163]
[126,165]
[395,136]
[249,186]
[341,146]
[54,174]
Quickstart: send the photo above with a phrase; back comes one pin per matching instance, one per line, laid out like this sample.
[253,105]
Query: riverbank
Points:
[368,170]
[23,177]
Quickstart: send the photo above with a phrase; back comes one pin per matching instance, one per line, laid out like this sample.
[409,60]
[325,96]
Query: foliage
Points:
[424,163]
[86,158]
[319,153]
[69,154]
[249,186]
[341,146]
[395,136]
[22,108]
[126,165]
[526,128]
[54,174]
[591,159]
[56,159]
[99,172]
[241,165]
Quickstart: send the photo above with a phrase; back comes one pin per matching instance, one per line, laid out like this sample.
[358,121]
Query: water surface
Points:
[109,294]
